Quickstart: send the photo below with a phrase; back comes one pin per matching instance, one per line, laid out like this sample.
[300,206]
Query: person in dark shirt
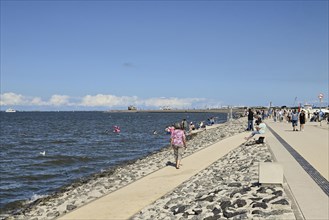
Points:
[250,120]
[184,125]
[302,120]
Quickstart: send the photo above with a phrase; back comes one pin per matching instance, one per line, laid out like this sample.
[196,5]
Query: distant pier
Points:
[222,110]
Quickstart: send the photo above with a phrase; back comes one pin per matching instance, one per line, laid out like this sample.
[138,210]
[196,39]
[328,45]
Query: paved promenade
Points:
[312,144]
[305,170]
[304,156]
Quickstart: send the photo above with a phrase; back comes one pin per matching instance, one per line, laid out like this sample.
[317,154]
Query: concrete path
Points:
[312,144]
[311,197]
[125,202]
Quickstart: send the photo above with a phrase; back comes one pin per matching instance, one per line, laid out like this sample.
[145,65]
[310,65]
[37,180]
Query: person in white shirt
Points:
[260,129]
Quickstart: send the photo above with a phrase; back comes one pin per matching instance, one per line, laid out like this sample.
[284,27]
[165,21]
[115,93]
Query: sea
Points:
[44,151]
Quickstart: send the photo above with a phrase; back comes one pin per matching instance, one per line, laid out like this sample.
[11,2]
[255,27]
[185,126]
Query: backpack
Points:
[260,140]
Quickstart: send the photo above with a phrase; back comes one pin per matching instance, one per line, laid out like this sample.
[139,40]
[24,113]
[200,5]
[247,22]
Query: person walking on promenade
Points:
[275,112]
[302,120]
[280,115]
[250,120]
[294,120]
[178,142]
[260,129]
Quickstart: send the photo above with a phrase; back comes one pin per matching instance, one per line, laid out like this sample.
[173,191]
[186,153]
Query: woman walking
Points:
[178,142]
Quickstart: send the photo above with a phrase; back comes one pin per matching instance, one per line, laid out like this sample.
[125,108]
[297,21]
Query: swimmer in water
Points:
[116,129]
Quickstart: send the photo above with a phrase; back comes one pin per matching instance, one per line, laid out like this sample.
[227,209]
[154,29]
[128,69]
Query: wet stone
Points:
[230,214]
[255,184]
[208,198]
[257,212]
[245,190]
[178,209]
[261,190]
[53,214]
[225,204]
[270,199]
[260,205]
[240,203]
[71,207]
[255,199]
[216,211]
[281,202]
[197,211]
[278,193]
[215,217]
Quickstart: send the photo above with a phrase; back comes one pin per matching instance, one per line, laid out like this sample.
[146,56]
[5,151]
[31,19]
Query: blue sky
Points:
[62,55]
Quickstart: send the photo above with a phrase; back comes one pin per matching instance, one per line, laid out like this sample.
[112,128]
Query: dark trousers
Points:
[250,125]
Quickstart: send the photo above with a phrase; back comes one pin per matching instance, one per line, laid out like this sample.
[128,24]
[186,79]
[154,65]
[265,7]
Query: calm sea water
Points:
[76,144]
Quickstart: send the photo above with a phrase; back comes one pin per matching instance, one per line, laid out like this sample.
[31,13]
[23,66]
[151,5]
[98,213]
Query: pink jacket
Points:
[177,137]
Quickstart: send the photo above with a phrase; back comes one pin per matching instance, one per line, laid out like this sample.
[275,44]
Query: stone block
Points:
[270,173]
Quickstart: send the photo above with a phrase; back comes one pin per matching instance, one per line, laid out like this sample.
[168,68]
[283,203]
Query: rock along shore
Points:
[227,189]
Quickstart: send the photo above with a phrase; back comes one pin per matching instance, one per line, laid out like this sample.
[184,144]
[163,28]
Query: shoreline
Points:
[97,185]
[227,189]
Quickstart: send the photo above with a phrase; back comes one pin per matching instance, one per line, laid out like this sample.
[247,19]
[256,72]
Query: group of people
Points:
[295,117]
[292,116]
[179,130]
[260,125]
[319,116]
[189,127]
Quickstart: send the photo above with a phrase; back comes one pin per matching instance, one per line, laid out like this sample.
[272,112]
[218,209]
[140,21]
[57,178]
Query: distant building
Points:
[132,108]
[308,106]
[165,108]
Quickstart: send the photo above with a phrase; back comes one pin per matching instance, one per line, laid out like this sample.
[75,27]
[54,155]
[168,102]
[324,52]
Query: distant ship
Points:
[132,108]
[10,110]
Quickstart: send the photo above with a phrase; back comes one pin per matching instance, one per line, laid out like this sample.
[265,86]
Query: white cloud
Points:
[11,98]
[99,100]
[59,100]
[38,101]
[108,100]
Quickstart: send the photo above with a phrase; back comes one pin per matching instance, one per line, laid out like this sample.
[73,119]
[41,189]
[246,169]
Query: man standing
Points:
[294,120]
[184,125]
[302,119]
[250,120]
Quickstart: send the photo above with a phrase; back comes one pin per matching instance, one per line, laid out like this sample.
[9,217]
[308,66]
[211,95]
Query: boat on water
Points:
[10,110]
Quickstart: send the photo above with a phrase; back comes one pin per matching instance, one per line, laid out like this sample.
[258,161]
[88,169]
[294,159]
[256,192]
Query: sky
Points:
[106,55]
